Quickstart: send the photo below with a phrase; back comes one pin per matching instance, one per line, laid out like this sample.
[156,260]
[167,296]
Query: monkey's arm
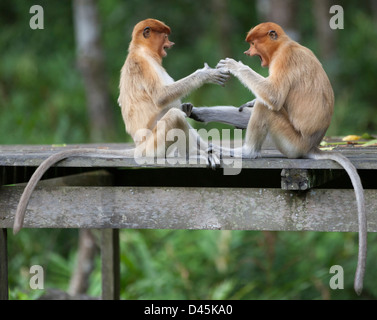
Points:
[272,94]
[238,117]
[182,87]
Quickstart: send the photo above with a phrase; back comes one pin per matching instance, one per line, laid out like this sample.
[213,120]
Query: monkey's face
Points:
[159,43]
[256,49]
[264,40]
[154,35]
[165,44]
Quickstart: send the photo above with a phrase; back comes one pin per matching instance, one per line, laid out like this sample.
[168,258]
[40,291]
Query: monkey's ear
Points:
[147,32]
[273,34]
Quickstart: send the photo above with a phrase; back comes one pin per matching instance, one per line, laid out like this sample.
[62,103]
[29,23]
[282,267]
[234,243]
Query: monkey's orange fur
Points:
[147,92]
[294,105]
[147,95]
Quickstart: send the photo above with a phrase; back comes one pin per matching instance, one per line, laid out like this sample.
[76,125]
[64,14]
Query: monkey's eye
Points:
[252,43]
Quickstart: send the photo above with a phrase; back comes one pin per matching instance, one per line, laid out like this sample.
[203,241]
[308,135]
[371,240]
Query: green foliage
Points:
[50,249]
[181,264]
[355,109]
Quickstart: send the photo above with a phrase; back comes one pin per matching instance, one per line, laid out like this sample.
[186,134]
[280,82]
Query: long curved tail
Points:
[359,192]
[45,165]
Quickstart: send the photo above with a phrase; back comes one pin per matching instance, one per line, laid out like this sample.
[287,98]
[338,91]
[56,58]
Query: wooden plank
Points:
[110,254]
[362,158]
[189,208]
[266,162]
[3,265]
[110,257]
[3,254]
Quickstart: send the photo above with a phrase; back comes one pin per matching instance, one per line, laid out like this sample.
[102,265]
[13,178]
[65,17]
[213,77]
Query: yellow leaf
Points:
[351,138]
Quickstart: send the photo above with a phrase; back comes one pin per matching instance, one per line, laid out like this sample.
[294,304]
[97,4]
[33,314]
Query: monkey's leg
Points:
[174,124]
[157,143]
[264,121]
[289,141]
[223,114]
[255,134]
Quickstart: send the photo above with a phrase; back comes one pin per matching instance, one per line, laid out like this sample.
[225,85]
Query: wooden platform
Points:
[33,155]
[270,193]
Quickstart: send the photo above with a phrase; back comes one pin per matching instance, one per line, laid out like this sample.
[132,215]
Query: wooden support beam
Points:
[304,179]
[110,238]
[3,253]
[109,242]
[189,208]
[3,265]
[110,256]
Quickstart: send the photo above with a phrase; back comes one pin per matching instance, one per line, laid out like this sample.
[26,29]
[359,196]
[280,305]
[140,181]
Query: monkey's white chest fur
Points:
[164,76]
[165,79]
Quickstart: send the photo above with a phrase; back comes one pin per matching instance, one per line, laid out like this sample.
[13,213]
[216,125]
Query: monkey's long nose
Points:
[247,52]
[171,44]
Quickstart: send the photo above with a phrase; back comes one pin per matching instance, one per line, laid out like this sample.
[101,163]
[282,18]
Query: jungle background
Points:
[46,97]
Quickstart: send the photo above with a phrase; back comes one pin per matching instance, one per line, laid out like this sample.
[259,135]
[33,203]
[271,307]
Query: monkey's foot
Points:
[242,152]
[195,114]
[187,108]
[250,153]
[249,104]
[213,159]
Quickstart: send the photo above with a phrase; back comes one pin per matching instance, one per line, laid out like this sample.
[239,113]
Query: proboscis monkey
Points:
[294,105]
[148,96]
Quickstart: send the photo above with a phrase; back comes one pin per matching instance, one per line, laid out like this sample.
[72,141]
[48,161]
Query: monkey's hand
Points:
[229,65]
[187,108]
[249,104]
[217,76]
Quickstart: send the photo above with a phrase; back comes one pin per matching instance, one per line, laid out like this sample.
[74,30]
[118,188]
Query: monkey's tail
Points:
[45,165]
[356,183]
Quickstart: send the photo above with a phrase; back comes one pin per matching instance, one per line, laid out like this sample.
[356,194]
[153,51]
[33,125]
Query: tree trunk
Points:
[90,60]
[325,35]
[223,26]
[85,263]
[373,5]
